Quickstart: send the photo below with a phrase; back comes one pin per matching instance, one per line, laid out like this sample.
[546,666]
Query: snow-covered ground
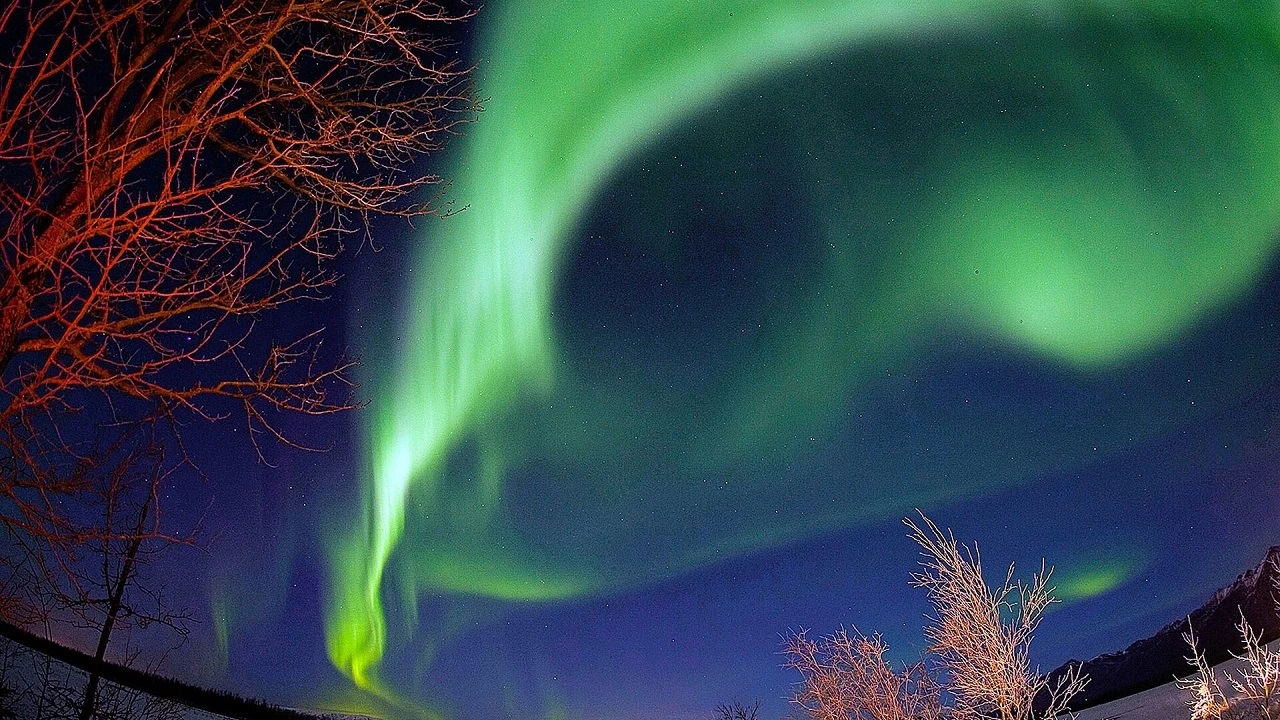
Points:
[1166,702]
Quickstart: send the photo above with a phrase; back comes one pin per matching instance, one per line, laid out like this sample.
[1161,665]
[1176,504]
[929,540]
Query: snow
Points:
[1166,702]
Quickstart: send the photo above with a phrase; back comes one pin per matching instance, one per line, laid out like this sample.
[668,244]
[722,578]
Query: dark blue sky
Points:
[758,373]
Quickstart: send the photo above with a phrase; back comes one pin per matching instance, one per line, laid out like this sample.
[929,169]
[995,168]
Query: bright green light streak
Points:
[1094,579]
[576,88]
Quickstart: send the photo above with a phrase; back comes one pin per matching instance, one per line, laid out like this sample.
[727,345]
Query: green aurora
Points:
[1105,177]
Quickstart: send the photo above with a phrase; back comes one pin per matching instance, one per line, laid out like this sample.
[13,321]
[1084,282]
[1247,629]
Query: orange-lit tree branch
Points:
[170,173]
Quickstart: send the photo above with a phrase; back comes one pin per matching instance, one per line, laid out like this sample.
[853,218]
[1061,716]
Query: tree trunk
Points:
[113,610]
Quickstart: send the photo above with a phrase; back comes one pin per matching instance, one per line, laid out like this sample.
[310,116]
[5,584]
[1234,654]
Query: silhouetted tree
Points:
[737,711]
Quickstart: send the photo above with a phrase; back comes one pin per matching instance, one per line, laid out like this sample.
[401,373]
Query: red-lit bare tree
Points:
[170,173]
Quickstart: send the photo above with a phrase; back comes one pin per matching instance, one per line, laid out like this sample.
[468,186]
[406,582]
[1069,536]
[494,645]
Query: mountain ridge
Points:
[1155,660]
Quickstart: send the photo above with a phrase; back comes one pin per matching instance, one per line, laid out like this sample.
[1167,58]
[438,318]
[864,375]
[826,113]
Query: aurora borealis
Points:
[734,275]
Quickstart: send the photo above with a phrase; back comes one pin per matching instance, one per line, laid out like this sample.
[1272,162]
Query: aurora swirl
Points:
[1087,232]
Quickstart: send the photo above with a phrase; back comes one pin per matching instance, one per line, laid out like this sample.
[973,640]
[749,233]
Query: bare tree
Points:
[846,677]
[100,585]
[170,173]
[983,654]
[1255,683]
[113,596]
[1205,700]
[979,639]
[737,711]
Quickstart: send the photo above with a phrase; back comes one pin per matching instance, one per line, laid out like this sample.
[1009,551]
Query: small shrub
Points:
[1205,700]
[1256,685]
[846,677]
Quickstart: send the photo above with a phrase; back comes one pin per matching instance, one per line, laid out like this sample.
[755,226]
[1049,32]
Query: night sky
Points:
[732,287]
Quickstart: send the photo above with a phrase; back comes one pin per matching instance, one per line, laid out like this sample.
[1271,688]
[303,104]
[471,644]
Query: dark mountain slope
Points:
[1162,657]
